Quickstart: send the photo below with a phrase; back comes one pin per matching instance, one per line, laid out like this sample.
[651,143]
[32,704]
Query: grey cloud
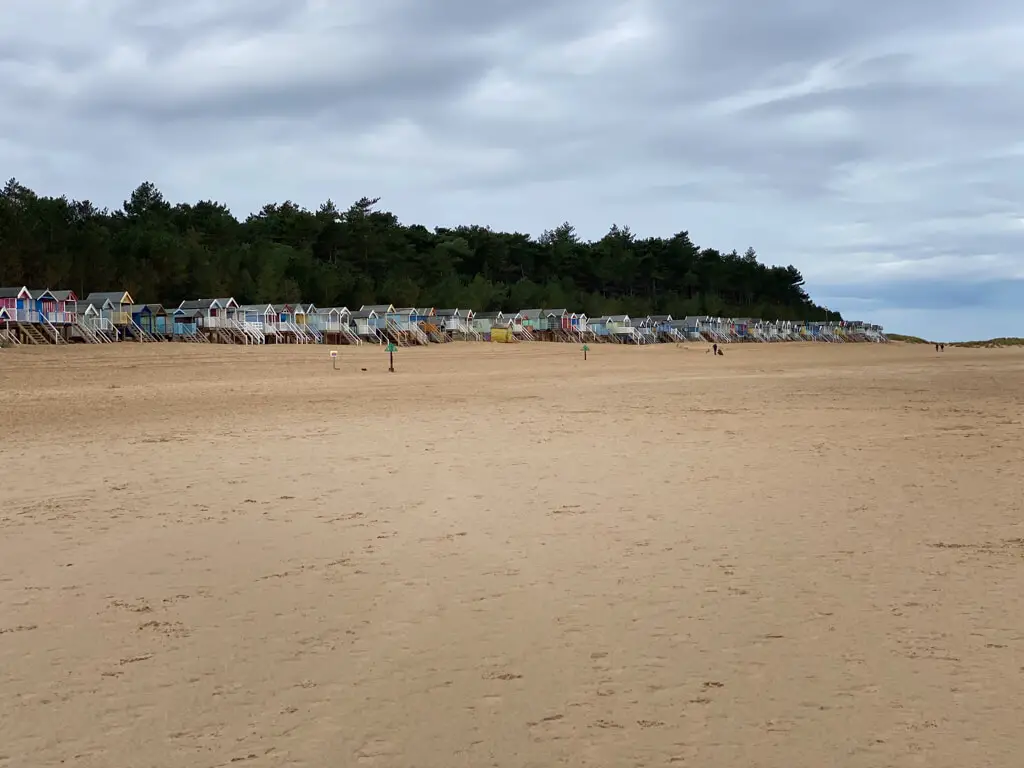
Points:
[410,62]
[195,19]
[468,17]
[379,90]
[933,107]
[737,42]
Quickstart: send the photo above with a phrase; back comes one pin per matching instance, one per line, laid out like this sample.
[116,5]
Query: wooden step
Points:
[32,334]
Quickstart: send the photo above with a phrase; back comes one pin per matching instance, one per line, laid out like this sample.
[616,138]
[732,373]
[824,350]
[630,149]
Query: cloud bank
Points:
[873,145]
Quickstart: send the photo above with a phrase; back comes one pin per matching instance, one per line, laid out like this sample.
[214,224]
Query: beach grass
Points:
[907,339]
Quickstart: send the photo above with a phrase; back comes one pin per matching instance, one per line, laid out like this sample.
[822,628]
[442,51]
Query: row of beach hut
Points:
[46,316]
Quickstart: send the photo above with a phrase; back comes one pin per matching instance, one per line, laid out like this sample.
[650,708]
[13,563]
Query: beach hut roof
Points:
[531,314]
[424,311]
[198,304]
[294,309]
[556,312]
[378,308]
[151,308]
[188,313]
[114,297]
[227,303]
[661,318]
[98,303]
[487,315]
[84,306]
[64,295]
[40,293]
[21,292]
[618,318]
[405,311]
[262,308]
[364,313]
[447,312]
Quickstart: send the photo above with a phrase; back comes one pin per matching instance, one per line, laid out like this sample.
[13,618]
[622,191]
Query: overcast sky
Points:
[875,145]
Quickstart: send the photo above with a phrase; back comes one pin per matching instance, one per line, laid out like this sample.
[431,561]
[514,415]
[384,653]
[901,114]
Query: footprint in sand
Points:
[135,659]
[502,676]
[168,628]
[19,628]
[377,752]
[139,606]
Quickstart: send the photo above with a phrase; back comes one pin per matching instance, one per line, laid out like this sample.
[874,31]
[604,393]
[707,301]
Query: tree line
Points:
[165,253]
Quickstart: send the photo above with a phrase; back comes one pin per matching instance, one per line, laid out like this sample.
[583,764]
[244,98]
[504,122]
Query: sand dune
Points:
[793,555]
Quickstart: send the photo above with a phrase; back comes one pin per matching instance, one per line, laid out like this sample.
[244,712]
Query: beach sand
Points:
[792,555]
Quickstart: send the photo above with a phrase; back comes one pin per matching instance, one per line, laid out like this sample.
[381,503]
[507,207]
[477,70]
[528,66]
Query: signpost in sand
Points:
[334,358]
[391,357]
[585,350]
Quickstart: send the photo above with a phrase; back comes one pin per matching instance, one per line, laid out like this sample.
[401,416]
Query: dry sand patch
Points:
[790,555]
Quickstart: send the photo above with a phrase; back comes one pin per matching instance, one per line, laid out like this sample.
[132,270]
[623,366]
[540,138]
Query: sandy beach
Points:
[793,555]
